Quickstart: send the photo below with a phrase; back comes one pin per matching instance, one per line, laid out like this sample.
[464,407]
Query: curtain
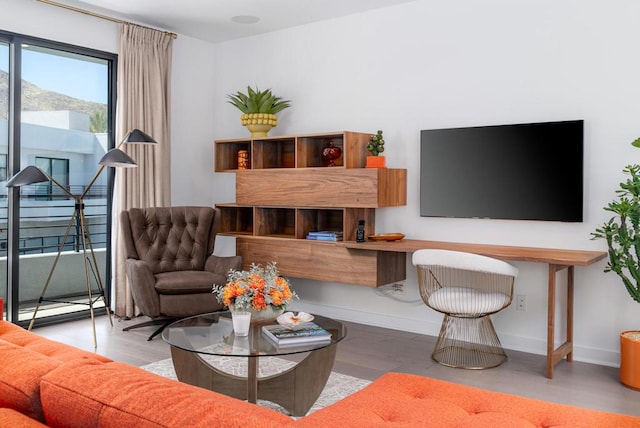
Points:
[144,77]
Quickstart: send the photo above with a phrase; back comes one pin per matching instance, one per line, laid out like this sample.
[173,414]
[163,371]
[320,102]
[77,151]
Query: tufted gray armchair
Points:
[170,262]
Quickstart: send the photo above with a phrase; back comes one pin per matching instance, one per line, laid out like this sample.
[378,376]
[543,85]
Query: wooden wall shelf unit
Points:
[556,259]
[288,192]
[295,151]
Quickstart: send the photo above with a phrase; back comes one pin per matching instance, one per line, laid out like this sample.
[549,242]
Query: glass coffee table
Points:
[296,388]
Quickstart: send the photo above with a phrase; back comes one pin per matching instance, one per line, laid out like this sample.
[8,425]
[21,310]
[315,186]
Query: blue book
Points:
[324,238]
[310,333]
[325,233]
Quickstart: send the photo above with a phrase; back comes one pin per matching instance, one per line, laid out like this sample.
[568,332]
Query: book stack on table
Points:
[325,235]
[310,333]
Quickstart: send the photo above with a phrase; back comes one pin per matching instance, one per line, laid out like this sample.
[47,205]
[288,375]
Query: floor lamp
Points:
[31,175]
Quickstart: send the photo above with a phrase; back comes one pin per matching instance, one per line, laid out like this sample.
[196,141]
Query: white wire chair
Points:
[467,288]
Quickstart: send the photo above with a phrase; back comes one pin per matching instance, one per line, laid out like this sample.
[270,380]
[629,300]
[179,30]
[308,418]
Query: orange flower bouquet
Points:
[256,289]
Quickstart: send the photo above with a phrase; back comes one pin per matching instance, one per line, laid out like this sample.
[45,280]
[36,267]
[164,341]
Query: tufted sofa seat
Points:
[403,400]
[170,261]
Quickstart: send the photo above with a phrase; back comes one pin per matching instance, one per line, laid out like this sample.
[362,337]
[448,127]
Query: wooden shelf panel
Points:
[326,187]
[323,261]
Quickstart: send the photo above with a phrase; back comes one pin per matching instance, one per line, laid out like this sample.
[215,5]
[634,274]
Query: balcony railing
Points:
[44,217]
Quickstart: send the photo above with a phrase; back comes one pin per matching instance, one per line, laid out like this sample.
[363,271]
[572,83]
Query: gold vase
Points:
[259,123]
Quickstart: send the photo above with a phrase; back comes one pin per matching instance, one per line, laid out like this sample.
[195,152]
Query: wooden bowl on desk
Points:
[386,237]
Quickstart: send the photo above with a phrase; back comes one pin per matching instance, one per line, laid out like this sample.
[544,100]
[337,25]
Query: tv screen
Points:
[531,171]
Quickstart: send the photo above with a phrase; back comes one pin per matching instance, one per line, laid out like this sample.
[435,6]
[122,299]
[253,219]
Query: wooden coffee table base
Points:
[295,389]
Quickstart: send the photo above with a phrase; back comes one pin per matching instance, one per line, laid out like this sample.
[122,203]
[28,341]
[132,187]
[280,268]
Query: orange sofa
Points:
[47,383]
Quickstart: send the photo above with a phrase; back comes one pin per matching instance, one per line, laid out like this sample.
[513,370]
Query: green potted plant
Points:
[622,234]
[259,109]
[375,147]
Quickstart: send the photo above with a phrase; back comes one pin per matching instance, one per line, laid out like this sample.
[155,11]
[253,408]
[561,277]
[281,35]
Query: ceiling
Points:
[211,20]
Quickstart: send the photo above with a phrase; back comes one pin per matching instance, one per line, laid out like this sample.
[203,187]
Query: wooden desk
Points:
[557,259]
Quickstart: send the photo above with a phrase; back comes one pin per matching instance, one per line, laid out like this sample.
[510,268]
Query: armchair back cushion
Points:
[171,239]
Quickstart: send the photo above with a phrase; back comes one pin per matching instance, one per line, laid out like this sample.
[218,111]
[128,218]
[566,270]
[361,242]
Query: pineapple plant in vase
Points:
[259,109]
[622,234]
[375,147]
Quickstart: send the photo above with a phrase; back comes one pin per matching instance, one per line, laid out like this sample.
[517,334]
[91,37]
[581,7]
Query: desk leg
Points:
[570,312]
[554,355]
[551,319]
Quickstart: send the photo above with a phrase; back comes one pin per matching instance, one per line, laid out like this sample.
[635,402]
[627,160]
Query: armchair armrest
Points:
[144,293]
[222,265]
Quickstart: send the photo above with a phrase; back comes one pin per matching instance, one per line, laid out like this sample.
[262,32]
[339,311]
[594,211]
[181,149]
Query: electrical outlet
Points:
[397,289]
[521,303]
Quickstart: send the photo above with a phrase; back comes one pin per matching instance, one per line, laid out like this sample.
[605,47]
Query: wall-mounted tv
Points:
[531,171]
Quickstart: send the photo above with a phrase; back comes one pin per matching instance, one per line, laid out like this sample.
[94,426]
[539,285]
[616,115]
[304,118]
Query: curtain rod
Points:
[97,15]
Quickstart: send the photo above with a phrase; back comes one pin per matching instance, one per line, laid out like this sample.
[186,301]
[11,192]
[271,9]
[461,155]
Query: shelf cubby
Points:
[310,150]
[274,152]
[275,222]
[236,219]
[314,220]
[226,154]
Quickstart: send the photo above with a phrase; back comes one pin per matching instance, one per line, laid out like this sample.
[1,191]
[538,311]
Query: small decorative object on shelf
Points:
[331,153]
[259,290]
[360,231]
[243,159]
[259,108]
[389,237]
[294,321]
[375,147]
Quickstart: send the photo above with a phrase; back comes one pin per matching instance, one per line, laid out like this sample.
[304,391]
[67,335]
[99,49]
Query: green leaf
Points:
[257,101]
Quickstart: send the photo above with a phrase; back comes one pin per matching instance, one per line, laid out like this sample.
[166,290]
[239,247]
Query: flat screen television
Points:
[531,171]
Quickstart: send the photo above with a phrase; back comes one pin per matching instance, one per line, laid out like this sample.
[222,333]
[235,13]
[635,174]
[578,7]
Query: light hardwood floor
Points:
[368,352]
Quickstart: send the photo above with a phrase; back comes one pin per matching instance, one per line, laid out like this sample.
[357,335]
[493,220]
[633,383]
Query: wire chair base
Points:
[468,343]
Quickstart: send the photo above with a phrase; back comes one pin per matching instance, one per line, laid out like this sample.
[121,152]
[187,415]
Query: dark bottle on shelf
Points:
[360,231]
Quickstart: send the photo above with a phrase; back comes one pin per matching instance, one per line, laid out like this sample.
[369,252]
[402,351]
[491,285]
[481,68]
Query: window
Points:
[3,167]
[61,120]
[58,169]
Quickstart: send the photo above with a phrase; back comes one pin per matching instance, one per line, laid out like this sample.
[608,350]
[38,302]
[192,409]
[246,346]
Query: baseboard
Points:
[531,345]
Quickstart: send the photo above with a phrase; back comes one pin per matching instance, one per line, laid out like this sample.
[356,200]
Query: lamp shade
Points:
[29,175]
[139,137]
[117,158]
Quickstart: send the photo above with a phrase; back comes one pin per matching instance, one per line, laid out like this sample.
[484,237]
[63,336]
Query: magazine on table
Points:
[310,333]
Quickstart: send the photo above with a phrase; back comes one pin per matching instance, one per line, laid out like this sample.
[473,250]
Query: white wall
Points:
[432,64]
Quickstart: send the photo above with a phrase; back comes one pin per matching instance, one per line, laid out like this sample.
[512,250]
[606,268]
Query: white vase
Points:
[241,322]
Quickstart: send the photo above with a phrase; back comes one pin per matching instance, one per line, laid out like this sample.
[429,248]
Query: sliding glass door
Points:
[63,124]
[4,159]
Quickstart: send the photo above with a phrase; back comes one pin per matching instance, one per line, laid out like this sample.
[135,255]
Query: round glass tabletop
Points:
[212,334]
